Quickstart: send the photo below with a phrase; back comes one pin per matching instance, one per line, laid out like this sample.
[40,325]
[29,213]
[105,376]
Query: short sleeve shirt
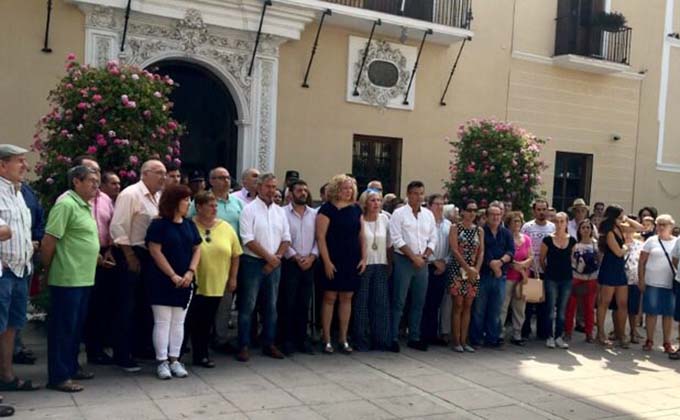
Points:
[216,254]
[675,253]
[75,259]
[658,271]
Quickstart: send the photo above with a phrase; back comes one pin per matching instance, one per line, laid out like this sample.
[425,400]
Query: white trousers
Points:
[168,330]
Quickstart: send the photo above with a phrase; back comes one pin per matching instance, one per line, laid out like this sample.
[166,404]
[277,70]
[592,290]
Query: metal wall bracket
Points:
[267,3]
[415,65]
[327,12]
[363,61]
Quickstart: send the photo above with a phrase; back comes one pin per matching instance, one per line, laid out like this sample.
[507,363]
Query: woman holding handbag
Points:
[655,279]
[585,265]
[517,276]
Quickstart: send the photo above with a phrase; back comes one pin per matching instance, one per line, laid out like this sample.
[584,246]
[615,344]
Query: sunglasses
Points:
[207,236]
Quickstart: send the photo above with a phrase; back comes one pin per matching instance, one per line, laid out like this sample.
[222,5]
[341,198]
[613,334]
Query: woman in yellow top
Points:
[220,251]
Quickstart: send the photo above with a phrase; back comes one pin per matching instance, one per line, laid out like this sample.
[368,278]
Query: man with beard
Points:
[297,275]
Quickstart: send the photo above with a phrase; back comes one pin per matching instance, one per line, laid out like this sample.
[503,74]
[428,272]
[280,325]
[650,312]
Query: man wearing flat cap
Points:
[16,253]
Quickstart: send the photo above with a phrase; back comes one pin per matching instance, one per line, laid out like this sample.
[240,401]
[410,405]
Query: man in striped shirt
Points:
[16,252]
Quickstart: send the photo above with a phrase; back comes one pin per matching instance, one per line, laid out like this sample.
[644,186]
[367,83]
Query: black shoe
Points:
[23,358]
[438,342]
[520,342]
[394,347]
[306,348]
[99,359]
[418,345]
[129,366]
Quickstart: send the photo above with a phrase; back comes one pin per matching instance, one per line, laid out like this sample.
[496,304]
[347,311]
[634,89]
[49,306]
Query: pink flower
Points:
[131,104]
[68,85]
[79,127]
[147,114]
[177,162]
[82,105]
[97,98]
[168,158]
[157,94]
[117,142]
[49,181]
[132,174]
[470,169]
[485,153]
[172,125]
[71,56]
[102,122]
[134,160]
[134,77]
[101,141]
[92,150]
[169,81]
[64,132]
[112,133]
[124,99]
[122,173]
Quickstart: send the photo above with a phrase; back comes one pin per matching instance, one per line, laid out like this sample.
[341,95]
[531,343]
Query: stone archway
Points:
[225,52]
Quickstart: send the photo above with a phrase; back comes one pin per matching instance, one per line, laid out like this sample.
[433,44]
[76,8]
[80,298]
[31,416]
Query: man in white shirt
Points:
[579,211]
[265,234]
[248,189]
[297,275]
[135,207]
[537,229]
[414,235]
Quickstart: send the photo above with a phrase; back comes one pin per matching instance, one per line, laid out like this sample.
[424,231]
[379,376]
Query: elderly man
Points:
[136,206]
[16,252]
[499,249]
[70,251]
[228,209]
[413,230]
[248,189]
[110,185]
[265,234]
[579,210]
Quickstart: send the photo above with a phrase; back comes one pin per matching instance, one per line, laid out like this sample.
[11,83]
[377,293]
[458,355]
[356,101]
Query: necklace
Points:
[374,246]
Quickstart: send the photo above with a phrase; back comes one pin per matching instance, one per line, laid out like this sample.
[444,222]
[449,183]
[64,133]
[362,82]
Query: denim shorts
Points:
[13,300]
[658,301]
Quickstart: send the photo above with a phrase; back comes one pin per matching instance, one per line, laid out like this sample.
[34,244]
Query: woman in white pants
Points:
[173,243]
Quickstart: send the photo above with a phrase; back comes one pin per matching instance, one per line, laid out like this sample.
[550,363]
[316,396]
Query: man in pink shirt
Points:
[248,190]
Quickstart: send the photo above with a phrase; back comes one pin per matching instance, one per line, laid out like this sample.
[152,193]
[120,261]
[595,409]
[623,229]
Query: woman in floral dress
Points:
[467,246]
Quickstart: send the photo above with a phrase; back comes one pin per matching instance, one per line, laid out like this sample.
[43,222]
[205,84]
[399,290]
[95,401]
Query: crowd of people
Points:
[153,270]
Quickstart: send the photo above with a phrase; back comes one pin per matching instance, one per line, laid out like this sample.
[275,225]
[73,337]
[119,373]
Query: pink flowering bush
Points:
[495,160]
[118,114]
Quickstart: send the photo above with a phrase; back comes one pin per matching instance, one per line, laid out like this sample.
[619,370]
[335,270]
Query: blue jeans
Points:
[486,310]
[13,300]
[556,298]
[407,277]
[68,309]
[252,281]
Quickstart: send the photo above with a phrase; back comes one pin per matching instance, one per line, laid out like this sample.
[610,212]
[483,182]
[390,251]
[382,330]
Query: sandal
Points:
[205,362]
[624,343]
[17,384]
[328,348]
[675,355]
[66,386]
[345,348]
[668,348]
[604,342]
[648,346]
[81,375]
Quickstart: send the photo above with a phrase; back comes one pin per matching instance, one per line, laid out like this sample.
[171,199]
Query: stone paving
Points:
[585,382]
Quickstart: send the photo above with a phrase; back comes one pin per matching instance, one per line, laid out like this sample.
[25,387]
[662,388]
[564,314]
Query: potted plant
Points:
[610,21]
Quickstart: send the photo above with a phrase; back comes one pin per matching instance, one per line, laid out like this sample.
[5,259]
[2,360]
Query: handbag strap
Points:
[668,258]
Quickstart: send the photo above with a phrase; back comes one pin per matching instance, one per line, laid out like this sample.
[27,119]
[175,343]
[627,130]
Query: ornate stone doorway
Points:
[205,106]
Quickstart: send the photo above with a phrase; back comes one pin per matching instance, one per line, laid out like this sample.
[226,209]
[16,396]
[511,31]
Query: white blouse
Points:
[377,232]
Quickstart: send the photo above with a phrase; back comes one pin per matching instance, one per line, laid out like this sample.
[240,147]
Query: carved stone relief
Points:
[372,93]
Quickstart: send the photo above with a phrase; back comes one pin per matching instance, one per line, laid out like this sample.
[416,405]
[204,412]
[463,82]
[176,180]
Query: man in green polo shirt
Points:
[70,250]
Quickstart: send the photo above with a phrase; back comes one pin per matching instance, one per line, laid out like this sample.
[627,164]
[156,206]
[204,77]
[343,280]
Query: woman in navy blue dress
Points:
[612,276]
[173,243]
[341,247]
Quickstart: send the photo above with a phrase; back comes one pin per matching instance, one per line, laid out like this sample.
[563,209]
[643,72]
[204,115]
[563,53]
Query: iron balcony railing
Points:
[455,13]
[613,45]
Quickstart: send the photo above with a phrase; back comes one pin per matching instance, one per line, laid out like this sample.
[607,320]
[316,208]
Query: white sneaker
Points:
[458,349]
[178,370]
[559,342]
[550,343]
[163,371]
[468,348]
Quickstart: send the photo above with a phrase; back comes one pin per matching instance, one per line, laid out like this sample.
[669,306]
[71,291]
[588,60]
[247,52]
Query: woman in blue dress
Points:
[612,275]
[341,248]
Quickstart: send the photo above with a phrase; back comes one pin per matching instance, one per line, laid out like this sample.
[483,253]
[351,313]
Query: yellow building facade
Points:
[609,111]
